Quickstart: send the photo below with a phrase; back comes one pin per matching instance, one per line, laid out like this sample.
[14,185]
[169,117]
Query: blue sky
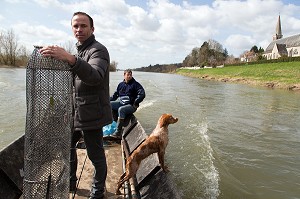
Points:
[142,32]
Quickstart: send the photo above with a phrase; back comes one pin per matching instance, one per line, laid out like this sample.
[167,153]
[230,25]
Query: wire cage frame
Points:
[49,87]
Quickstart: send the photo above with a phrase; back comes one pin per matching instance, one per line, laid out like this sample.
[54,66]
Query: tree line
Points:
[11,53]
[211,54]
[158,68]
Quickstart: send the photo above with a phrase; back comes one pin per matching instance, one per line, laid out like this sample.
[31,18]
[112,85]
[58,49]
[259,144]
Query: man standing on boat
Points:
[126,100]
[91,91]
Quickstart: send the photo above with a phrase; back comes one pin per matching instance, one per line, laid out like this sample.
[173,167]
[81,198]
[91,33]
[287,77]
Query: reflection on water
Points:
[231,140]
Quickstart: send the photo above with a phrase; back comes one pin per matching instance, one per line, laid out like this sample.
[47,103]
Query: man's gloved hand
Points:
[135,105]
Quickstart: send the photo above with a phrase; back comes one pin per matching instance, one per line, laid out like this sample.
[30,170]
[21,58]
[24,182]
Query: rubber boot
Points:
[118,133]
[115,115]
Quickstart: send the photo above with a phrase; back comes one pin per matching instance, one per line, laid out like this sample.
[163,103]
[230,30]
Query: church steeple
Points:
[278,34]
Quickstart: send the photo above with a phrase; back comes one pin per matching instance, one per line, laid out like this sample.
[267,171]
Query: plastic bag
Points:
[124,100]
[109,129]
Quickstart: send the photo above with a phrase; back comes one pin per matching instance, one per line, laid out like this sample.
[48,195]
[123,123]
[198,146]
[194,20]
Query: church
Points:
[288,46]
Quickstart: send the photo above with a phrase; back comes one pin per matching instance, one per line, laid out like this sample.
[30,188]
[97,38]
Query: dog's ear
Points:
[167,119]
[163,120]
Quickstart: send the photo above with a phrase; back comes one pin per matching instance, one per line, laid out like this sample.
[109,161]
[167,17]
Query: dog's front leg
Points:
[119,184]
[161,158]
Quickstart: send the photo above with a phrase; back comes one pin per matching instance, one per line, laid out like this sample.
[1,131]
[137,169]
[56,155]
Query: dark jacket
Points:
[91,85]
[132,89]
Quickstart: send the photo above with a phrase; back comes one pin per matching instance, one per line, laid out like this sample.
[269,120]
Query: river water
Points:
[231,141]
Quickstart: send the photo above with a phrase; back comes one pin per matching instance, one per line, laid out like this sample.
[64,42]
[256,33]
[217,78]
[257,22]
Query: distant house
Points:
[289,46]
[248,56]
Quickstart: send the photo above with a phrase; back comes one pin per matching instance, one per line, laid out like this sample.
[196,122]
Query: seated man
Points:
[126,100]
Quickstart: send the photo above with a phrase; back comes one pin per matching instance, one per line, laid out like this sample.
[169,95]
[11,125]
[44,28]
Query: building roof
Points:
[289,42]
[282,49]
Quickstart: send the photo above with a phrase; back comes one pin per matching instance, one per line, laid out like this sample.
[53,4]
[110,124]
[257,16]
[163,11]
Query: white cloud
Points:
[161,31]
[239,43]
[40,35]
[15,1]
[141,20]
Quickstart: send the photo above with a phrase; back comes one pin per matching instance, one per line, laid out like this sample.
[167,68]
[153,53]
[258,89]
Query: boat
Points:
[11,169]
[150,181]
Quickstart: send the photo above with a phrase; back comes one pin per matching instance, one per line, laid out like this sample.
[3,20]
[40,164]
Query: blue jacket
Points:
[133,89]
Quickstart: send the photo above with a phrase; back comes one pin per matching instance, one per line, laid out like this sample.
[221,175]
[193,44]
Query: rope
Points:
[79,177]
[126,184]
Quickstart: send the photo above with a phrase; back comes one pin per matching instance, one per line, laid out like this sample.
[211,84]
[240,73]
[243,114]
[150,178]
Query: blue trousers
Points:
[123,110]
[93,140]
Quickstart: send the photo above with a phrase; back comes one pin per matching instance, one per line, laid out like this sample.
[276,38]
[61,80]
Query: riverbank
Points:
[12,67]
[285,75]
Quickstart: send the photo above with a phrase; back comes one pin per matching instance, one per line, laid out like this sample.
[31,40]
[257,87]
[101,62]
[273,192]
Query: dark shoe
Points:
[97,197]
[116,135]
[105,137]
[80,144]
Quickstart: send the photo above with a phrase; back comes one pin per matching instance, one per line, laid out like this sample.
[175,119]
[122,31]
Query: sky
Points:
[139,33]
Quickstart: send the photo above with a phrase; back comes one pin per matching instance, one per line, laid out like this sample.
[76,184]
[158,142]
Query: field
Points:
[284,75]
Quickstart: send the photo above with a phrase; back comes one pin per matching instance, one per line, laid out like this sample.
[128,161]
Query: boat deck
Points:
[150,181]
[114,170]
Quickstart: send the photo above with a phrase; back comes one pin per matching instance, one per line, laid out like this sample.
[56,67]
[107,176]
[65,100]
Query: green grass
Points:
[285,74]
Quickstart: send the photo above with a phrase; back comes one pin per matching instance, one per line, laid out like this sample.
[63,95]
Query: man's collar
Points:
[85,43]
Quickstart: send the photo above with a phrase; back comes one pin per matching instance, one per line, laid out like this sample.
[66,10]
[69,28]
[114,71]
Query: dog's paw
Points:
[118,192]
[166,169]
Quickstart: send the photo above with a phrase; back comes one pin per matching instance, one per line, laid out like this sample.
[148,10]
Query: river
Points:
[231,141]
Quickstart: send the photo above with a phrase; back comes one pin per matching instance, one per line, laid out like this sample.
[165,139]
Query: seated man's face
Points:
[127,77]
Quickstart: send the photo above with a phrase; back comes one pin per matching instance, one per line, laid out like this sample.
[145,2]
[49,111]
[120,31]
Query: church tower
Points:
[278,34]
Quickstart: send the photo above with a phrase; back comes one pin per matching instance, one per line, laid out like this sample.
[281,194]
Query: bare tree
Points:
[22,56]
[69,46]
[231,60]
[1,38]
[113,66]
[204,54]
[193,60]
[8,47]
[214,45]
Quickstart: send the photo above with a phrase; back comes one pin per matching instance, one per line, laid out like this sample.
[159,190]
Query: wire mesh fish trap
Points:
[48,128]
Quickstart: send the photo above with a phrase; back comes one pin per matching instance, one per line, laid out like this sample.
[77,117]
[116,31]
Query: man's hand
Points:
[58,53]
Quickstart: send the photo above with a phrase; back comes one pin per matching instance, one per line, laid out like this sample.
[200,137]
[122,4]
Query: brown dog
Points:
[155,143]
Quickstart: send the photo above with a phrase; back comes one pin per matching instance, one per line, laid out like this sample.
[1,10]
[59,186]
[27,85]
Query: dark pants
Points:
[95,151]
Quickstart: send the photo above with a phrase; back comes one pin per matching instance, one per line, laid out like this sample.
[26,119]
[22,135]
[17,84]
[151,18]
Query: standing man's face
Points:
[81,27]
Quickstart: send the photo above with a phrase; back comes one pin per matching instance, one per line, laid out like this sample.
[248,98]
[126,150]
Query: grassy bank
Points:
[285,75]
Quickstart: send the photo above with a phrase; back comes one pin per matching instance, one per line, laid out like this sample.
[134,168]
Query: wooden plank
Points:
[114,171]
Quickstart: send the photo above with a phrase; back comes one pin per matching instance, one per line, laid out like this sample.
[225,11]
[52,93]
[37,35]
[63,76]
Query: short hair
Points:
[83,13]
[127,71]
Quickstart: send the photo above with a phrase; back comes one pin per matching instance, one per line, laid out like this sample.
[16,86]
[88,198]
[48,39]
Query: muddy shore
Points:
[271,84]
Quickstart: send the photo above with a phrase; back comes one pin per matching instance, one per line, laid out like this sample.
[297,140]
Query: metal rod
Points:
[79,177]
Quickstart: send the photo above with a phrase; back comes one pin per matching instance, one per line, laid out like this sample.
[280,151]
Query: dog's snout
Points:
[175,119]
